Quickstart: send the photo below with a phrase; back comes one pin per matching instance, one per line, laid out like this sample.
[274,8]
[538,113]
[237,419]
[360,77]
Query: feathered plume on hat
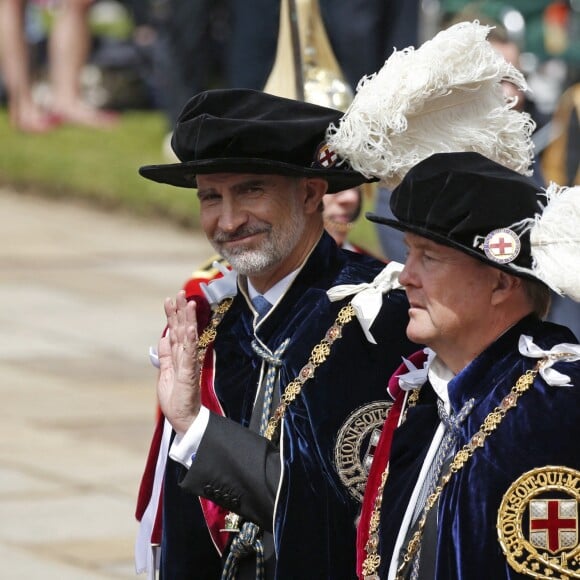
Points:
[444,96]
[555,240]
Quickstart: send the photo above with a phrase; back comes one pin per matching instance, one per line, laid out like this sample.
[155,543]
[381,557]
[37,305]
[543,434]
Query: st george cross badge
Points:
[502,246]
[325,157]
[538,523]
[553,524]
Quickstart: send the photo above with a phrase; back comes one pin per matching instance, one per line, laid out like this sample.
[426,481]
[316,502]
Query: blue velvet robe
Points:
[315,514]
[542,430]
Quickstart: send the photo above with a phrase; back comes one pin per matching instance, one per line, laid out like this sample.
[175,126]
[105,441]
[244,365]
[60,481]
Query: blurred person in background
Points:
[561,159]
[341,211]
[561,164]
[201,45]
[362,34]
[510,50]
[545,28]
[189,42]
[69,45]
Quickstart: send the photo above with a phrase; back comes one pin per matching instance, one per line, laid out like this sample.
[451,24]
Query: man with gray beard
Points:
[272,380]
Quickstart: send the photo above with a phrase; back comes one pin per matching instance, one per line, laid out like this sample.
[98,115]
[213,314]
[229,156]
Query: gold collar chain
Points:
[210,332]
[372,559]
[491,422]
[318,356]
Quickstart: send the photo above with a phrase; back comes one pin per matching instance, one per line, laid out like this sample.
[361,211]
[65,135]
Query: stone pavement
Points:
[81,296]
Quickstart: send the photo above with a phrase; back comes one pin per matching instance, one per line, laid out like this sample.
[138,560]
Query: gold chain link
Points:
[318,356]
[210,332]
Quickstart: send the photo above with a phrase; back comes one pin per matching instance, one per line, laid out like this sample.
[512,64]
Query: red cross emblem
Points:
[502,246]
[325,156]
[554,524]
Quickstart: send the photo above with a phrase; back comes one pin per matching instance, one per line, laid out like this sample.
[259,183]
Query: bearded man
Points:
[272,407]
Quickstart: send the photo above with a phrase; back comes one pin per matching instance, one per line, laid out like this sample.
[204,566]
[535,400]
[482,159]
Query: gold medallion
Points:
[356,443]
[537,523]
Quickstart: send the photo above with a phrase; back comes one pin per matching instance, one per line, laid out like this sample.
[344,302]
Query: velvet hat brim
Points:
[184,174]
[247,131]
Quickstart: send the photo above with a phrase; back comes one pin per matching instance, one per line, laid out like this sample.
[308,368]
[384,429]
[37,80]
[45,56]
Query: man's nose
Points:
[406,275]
[232,216]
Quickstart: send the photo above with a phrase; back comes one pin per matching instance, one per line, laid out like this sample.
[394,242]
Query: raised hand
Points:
[178,386]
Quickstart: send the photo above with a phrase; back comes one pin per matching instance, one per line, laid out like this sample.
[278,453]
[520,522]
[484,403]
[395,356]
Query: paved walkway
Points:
[81,296]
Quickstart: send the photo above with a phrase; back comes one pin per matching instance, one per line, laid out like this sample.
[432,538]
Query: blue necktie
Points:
[261,305]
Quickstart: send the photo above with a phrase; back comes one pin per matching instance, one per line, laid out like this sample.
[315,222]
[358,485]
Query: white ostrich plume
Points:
[555,241]
[445,96]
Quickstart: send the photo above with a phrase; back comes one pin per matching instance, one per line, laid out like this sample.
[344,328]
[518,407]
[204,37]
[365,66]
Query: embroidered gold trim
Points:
[488,426]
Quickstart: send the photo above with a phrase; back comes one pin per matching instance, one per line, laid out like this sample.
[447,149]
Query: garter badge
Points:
[502,246]
[356,442]
[537,523]
[325,157]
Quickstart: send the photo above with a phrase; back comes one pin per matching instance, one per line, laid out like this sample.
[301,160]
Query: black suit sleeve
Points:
[236,469]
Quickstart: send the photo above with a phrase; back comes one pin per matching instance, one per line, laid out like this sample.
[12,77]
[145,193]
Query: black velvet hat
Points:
[247,131]
[472,204]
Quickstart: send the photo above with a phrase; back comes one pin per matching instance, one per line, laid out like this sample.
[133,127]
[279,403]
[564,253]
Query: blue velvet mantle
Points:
[543,429]
[315,518]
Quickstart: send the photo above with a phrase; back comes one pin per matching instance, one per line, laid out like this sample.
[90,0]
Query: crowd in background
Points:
[127,54]
[168,50]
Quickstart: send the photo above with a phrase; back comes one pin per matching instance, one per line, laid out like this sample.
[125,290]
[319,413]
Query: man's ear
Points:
[315,189]
[505,286]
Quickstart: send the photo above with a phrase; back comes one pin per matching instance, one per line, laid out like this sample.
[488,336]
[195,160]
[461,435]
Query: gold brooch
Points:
[356,444]
[537,523]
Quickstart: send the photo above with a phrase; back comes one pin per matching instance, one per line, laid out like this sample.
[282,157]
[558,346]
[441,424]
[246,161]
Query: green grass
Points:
[101,167]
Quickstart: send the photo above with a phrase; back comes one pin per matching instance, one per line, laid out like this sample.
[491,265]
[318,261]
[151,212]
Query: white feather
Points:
[555,241]
[444,96]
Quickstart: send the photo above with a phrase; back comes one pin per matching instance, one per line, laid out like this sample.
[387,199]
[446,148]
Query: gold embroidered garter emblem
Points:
[356,443]
[537,523]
